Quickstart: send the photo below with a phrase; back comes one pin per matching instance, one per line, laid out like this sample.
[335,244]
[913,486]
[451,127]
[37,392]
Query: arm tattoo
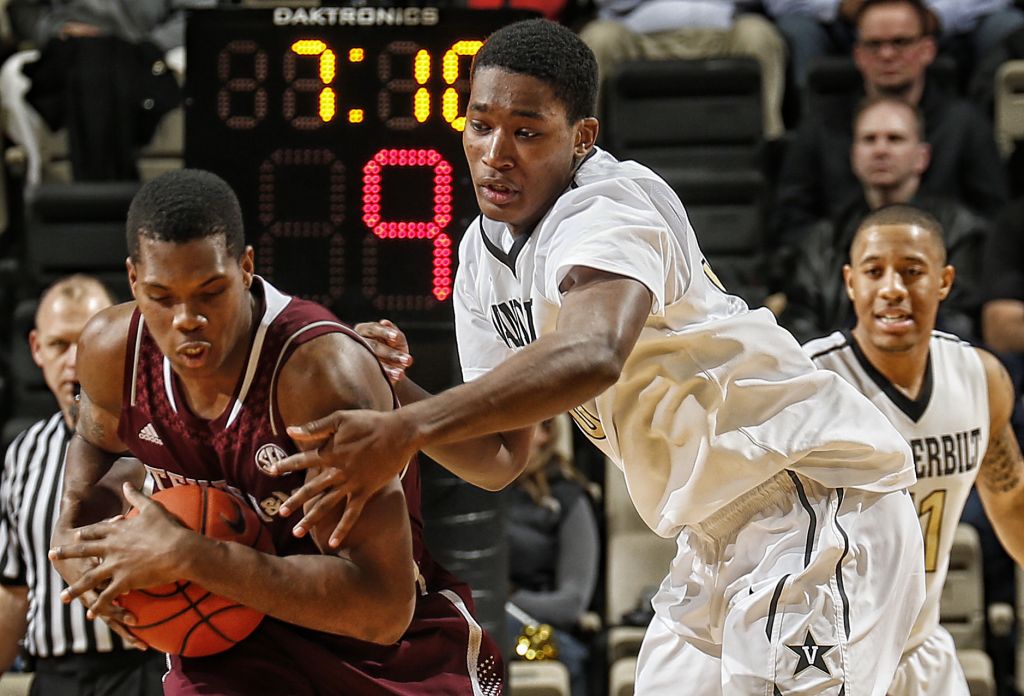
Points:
[91,430]
[1002,467]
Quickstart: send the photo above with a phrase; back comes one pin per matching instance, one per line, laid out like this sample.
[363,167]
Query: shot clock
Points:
[339,129]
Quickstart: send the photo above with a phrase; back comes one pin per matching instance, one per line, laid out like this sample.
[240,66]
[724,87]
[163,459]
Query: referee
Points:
[73,656]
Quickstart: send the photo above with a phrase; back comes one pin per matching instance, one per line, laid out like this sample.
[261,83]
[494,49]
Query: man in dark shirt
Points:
[892,53]
[889,159]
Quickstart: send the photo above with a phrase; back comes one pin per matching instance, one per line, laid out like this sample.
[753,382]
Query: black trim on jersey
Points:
[840,493]
[812,527]
[774,606]
[575,184]
[508,259]
[833,349]
[913,408]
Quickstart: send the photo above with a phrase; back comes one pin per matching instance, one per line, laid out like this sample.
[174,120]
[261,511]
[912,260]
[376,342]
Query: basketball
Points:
[182,618]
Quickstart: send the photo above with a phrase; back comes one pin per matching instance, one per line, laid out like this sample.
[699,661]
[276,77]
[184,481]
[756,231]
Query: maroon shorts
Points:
[444,651]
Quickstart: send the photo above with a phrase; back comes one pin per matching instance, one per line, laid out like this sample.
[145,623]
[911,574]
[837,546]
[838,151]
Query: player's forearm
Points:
[549,377]
[487,461]
[1006,513]
[325,593]
[13,623]
[85,466]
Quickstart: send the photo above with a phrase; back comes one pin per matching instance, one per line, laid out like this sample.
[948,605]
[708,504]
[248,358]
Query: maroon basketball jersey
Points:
[233,452]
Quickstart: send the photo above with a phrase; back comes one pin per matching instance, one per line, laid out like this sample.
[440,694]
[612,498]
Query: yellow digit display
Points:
[450,72]
[327,100]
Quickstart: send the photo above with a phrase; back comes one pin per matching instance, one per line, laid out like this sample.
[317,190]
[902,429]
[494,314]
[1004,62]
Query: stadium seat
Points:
[78,227]
[1009,105]
[619,513]
[698,124]
[977,666]
[15,684]
[962,605]
[962,610]
[622,677]
[703,114]
[637,563]
[540,678]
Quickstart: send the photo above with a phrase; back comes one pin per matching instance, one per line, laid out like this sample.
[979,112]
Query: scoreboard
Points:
[339,128]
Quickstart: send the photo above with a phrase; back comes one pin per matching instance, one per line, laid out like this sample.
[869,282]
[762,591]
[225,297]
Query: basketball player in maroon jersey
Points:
[199,378]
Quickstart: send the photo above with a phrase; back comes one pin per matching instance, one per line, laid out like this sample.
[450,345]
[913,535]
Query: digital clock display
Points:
[340,130]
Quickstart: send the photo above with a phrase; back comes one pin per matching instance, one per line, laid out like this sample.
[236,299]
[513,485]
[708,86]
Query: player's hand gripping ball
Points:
[182,618]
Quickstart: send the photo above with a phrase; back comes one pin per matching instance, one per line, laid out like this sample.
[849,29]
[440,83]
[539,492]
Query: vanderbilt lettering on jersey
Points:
[946,455]
[513,320]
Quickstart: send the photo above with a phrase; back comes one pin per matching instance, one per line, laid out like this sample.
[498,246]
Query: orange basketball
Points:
[181,617]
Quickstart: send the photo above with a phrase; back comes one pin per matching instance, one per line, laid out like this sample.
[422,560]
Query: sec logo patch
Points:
[268,455]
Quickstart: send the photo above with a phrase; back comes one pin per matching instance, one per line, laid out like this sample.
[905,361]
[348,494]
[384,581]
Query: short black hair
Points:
[904,214]
[871,101]
[183,205]
[549,52]
[924,15]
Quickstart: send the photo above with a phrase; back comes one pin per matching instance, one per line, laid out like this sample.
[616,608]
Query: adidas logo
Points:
[149,435]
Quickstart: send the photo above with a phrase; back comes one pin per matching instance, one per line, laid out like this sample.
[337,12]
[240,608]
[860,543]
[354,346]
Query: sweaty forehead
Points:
[498,90]
[896,241]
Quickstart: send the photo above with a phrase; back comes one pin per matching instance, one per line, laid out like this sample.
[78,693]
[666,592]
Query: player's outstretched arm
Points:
[480,431]
[1001,477]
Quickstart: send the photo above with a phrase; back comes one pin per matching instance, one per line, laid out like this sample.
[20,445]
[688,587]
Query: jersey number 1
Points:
[932,505]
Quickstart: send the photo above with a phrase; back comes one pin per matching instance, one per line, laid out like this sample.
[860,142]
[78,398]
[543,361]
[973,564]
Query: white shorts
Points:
[795,589]
[931,669]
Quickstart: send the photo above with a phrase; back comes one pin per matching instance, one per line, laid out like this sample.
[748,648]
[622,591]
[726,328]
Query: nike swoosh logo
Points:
[237,525]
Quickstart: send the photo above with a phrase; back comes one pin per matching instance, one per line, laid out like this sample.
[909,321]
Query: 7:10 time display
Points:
[343,144]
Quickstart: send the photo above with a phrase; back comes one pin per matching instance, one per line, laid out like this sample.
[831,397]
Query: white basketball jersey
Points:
[714,399]
[947,429]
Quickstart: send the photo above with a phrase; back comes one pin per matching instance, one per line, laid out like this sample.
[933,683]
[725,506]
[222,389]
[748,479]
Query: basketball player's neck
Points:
[208,396]
[904,369]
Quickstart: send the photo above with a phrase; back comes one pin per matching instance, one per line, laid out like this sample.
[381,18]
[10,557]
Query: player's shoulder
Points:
[106,332]
[601,173]
[818,348]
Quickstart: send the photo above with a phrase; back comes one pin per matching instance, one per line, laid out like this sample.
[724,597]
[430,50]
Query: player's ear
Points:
[847,278]
[133,275]
[946,281]
[586,136]
[248,265]
[35,346]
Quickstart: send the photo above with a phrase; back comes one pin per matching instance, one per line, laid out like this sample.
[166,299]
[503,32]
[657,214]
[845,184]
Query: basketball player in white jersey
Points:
[581,288]
[951,402]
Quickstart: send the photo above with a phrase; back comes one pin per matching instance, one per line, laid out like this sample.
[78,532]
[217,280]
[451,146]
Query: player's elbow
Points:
[391,618]
[604,364]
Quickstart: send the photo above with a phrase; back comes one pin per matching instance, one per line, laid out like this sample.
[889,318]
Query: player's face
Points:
[54,342]
[522,150]
[195,300]
[886,149]
[896,280]
[892,51]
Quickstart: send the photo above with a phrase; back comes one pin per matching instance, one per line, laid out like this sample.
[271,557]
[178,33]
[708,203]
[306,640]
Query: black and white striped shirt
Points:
[30,487]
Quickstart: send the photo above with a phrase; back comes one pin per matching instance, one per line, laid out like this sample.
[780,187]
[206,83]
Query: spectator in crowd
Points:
[666,29]
[104,69]
[554,546]
[889,158]
[72,656]
[969,29]
[1003,312]
[892,53]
